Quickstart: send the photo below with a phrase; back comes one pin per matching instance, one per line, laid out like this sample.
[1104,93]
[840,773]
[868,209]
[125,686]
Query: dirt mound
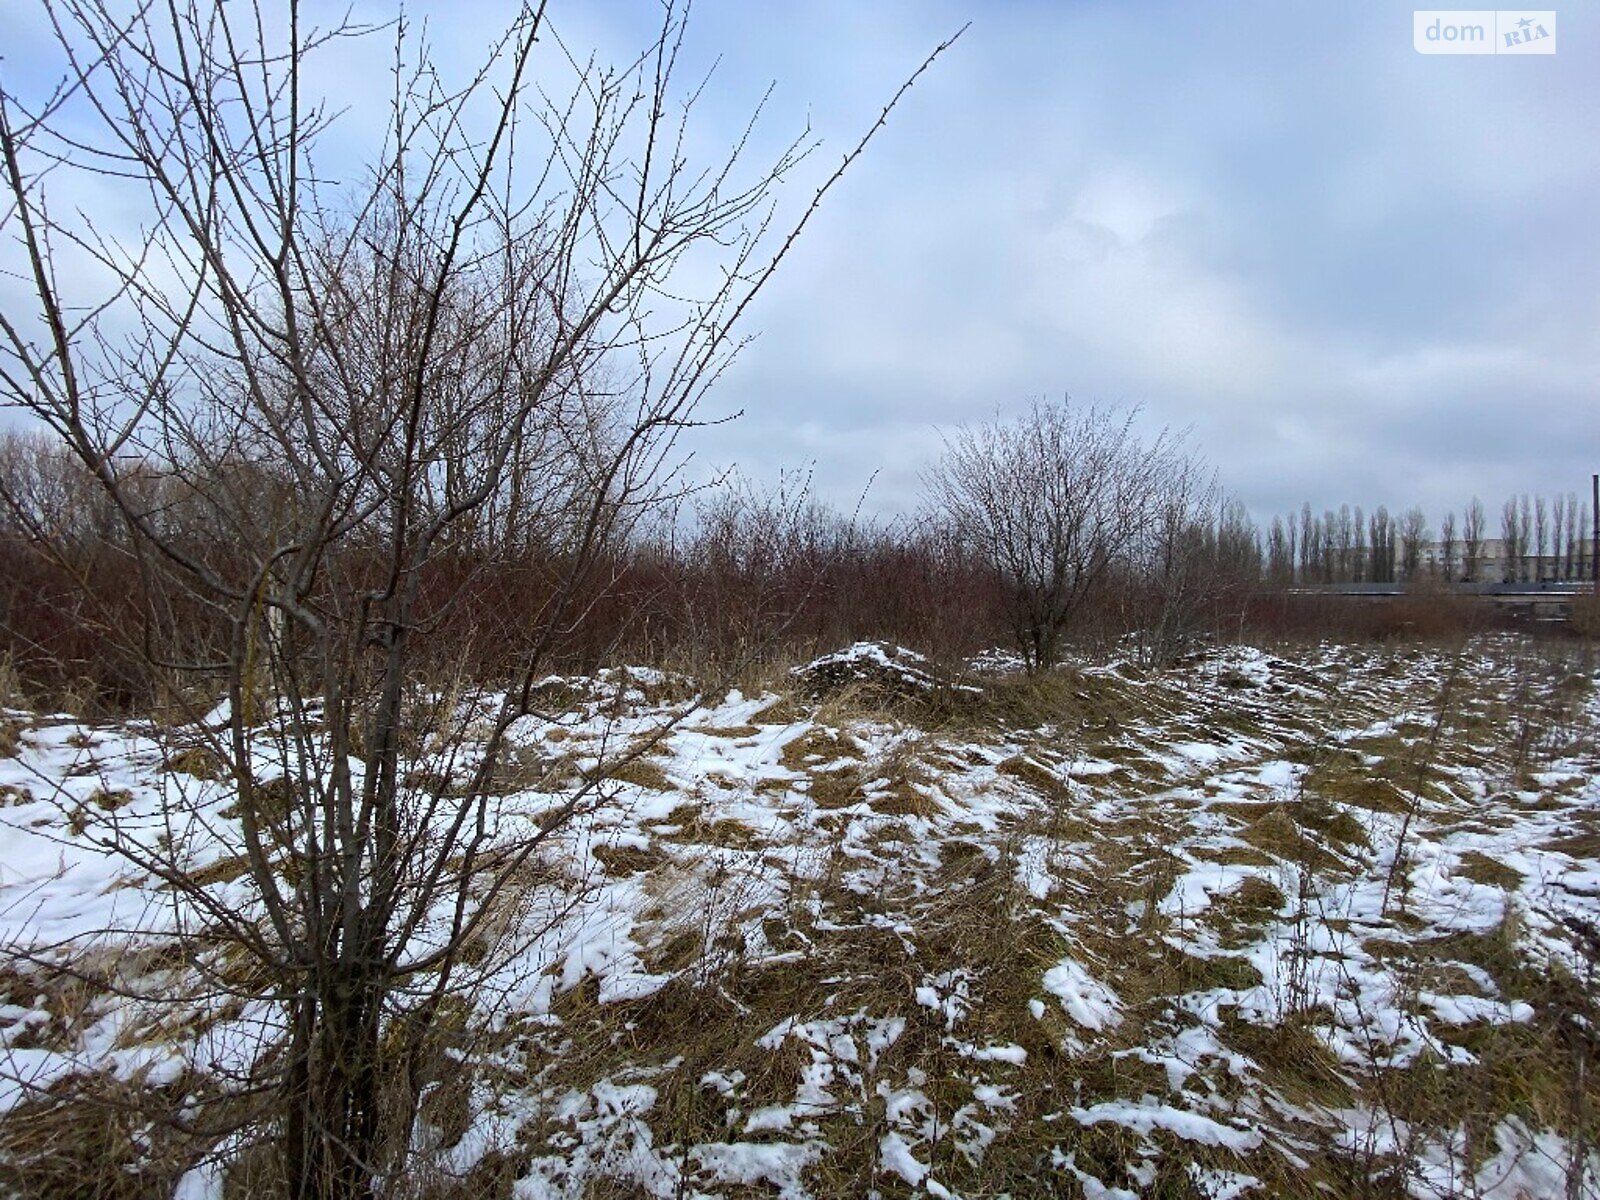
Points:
[877,671]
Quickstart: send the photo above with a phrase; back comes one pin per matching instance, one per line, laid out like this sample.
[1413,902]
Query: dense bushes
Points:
[746,575]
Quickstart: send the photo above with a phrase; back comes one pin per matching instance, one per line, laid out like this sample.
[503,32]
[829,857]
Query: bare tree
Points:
[1570,564]
[1558,538]
[1513,544]
[1382,534]
[1280,554]
[302,394]
[1345,543]
[1358,572]
[1541,538]
[1585,551]
[1526,564]
[1308,544]
[1051,501]
[1472,540]
[1447,548]
[1205,557]
[1413,537]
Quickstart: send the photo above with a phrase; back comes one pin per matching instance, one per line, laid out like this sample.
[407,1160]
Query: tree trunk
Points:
[344,1096]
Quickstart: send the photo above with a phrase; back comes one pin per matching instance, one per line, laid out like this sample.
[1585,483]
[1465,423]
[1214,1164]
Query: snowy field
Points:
[1306,922]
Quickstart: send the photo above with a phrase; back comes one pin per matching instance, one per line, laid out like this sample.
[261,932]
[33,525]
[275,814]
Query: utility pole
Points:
[1594,530]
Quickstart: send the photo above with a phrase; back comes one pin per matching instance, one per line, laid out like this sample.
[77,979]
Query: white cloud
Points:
[1154,320]
[1123,202]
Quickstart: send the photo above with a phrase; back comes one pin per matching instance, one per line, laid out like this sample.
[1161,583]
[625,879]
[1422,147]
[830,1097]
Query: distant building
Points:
[1491,564]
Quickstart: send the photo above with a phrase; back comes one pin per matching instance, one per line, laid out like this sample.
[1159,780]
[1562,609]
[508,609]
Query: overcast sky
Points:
[1357,273]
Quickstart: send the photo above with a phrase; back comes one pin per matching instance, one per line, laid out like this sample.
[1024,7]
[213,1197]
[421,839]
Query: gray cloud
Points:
[1359,274]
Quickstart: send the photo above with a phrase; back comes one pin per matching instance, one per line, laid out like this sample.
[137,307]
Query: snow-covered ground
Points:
[1268,924]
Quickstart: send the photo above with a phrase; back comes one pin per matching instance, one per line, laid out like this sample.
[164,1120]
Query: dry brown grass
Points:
[1241,913]
[817,746]
[905,800]
[640,771]
[1036,776]
[734,732]
[839,788]
[854,948]
[783,710]
[199,761]
[628,860]
[1234,856]
[1480,868]
[1344,777]
[1579,845]
[223,870]
[274,799]
[691,825]
[94,1137]
[1275,833]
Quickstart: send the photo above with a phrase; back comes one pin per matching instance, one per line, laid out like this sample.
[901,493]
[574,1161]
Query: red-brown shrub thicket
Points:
[748,574]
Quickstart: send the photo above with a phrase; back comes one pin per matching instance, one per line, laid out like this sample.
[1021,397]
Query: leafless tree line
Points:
[732,572]
[1540,540]
[747,570]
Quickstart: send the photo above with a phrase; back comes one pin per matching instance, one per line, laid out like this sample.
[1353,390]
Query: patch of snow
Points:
[1149,1115]
[1087,1001]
